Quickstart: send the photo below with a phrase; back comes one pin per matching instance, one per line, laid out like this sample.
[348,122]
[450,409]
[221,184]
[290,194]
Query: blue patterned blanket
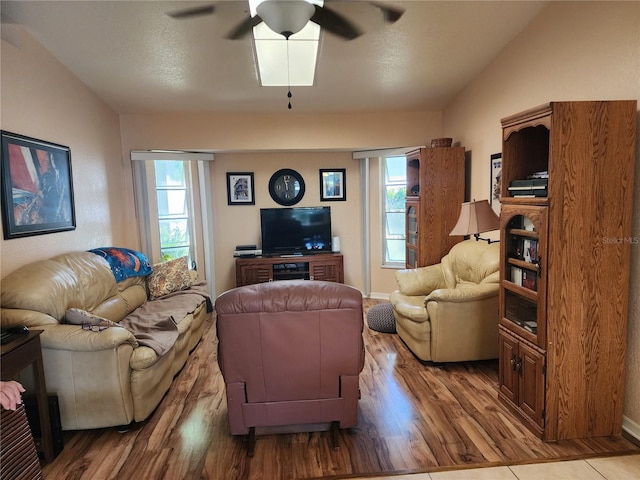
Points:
[124,262]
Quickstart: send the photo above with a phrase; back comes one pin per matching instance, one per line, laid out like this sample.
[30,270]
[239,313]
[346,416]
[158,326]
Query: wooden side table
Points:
[15,357]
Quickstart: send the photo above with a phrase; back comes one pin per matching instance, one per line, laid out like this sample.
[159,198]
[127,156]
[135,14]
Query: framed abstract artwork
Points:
[37,187]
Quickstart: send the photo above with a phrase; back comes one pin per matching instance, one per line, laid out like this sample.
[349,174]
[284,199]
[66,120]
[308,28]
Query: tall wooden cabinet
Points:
[435,192]
[564,275]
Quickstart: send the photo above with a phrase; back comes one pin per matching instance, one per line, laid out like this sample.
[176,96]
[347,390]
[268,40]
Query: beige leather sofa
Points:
[449,312]
[102,378]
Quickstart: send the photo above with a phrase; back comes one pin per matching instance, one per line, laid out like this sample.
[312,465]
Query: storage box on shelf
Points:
[564,285]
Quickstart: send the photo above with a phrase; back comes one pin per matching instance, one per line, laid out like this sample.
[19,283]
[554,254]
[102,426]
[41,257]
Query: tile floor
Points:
[605,468]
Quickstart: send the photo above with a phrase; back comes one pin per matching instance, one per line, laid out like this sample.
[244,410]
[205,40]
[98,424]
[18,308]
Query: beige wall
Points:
[236,225]
[265,143]
[42,99]
[585,51]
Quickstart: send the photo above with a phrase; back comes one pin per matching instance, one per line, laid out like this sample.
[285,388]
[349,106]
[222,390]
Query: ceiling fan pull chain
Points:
[288,75]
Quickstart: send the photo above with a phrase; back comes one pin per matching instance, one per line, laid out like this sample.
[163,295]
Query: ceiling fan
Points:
[288,17]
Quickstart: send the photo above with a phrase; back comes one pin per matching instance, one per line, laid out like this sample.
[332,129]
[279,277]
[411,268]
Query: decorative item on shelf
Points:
[516,275]
[335,244]
[475,218]
[441,142]
[415,190]
[527,224]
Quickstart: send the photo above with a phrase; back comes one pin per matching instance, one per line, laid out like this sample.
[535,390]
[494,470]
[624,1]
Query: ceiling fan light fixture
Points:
[285,17]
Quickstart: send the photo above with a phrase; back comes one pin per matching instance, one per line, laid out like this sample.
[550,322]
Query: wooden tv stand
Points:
[327,267]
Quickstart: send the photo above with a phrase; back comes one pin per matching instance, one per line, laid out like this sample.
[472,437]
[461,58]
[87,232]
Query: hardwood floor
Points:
[412,418]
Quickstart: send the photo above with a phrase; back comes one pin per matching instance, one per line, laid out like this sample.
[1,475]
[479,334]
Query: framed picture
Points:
[333,185]
[496,181]
[37,187]
[530,250]
[240,188]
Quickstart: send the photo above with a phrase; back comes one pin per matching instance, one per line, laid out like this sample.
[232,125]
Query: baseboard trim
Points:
[379,296]
[632,429]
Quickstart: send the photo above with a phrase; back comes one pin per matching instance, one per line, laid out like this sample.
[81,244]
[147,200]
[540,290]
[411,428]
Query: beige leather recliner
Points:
[448,312]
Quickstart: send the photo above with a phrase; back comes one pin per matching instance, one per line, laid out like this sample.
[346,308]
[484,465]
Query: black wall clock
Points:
[286,187]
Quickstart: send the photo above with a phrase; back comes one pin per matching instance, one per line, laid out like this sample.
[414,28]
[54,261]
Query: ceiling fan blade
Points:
[244,28]
[390,14]
[335,23]
[193,12]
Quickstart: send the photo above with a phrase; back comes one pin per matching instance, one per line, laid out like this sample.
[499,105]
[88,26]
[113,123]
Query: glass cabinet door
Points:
[411,238]
[412,225]
[523,281]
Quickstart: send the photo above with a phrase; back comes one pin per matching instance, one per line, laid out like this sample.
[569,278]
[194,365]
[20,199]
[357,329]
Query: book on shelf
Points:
[530,280]
[530,326]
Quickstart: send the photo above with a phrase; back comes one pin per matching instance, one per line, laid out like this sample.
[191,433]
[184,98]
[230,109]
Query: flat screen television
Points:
[295,230]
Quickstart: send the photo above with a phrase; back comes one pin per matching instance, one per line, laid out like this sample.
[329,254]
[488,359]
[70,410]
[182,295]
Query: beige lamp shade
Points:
[476,217]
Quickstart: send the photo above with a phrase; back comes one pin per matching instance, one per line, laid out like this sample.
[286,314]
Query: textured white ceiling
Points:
[139,60]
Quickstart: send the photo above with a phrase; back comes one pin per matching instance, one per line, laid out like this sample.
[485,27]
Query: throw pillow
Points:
[77,316]
[169,277]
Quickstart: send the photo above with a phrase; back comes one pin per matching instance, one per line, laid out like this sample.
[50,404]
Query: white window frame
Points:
[200,197]
[187,187]
[383,211]
[363,157]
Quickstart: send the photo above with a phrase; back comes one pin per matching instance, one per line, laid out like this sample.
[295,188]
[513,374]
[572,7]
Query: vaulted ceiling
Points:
[140,60]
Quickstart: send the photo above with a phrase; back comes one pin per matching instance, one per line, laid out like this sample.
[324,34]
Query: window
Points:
[173,208]
[171,200]
[394,193]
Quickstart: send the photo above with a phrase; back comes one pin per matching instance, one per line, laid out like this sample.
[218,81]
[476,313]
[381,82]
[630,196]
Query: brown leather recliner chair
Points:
[290,353]
[448,312]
